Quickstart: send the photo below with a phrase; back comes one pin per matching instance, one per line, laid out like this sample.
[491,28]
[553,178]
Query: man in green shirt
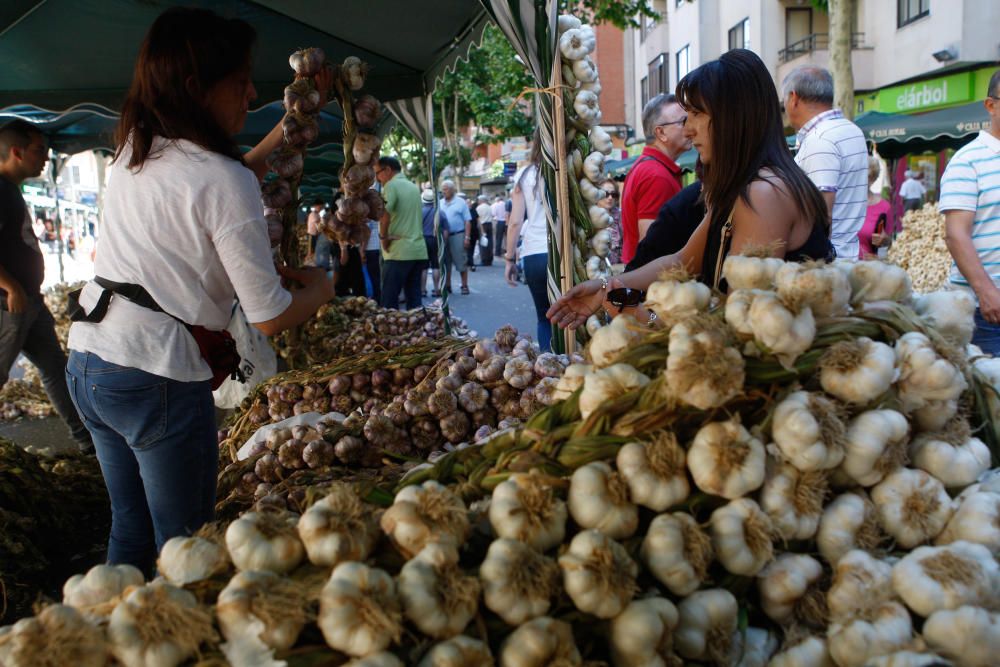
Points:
[404,252]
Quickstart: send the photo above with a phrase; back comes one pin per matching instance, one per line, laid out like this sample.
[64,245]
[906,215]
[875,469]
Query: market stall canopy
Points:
[61,53]
[903,134]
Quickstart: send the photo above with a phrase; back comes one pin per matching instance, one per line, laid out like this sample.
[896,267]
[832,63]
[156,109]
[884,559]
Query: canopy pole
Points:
[562,191]
[56,168]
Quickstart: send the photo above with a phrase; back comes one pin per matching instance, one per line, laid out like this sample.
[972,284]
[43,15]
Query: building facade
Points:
[908,55]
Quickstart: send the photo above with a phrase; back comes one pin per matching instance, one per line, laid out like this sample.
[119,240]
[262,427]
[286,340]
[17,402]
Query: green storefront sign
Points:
[929,94]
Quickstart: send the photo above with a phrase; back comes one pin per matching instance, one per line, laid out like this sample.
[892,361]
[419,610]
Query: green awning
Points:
[904,134]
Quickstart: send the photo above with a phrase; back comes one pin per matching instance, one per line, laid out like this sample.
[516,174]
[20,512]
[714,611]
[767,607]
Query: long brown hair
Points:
[747,134]
[184,54]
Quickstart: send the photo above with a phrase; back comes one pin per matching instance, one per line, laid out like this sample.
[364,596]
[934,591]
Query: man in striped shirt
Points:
[832,151]
[970,201]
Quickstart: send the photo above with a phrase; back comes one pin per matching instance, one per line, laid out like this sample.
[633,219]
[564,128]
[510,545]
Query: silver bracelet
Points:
[652,318]
[604,283]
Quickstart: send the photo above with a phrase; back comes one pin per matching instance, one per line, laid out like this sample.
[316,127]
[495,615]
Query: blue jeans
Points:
[986,335]
[323,245]
[536,269]
[156,443]
[401,275]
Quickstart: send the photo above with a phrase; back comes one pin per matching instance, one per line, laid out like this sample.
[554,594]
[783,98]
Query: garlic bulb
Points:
[422,514]
[821,287]
[101,584]
[185,560]
[737,311]
[929,579]
[458,651]
[518,582]
[913,507]
[607,384]
[780,329]
[525,508]
[437,597]
[610,341]
[671,299]
[600,243]
[577,43]
[599,217]
[601,140]
[907,658]
[707,626]
[725,460]
[968,635]
[539,643]
[383,659]
[741,535]
[263,604]
[585,71]
[875,445]
[857,370]
[925,376]
[598,498]
[949,312]
[977,519]
[158,624]
[591,193]
[593,167]
[702,369]
[793,500]
[571,380]
[859,581]
[265,541]
[654,471]
[743,272]
[808,652]
[809,431]
[338,527]
[790,590]
[643,634]
[59,635]
[934,415]
[567,22]
[677,552]
[359,611]
[882,629]
[849,522]
[876,280]
[952,456]
[598,574]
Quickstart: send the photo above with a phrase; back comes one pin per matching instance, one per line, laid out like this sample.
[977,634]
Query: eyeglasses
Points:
[993,97]
[682,121]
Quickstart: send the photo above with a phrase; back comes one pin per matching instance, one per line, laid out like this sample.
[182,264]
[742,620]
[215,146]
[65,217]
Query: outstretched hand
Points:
[573,308]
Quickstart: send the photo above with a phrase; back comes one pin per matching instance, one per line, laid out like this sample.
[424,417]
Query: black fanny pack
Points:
[217,348]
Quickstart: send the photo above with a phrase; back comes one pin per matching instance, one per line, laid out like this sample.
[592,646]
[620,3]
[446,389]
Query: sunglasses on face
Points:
[626,297]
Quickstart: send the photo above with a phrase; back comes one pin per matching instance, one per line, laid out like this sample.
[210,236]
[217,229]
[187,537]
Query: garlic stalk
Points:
[599,499]
[437,597]
[859,581]
[643,634]
[59,635]
[858,370]
[598,574]
[458,651]
[929,579]
[741,535]
[539,643]
[359,611]
[849,522]
[725,460]
[518,582]
[793,500]
[101,583]
[882,629]
[790,591]
[707,626]
[913,507]
[677,552]
[186,560]
[743,272]
[263,603]
[422,514]
[702,369]
[525,508]
[654,471]
[924,375]
[977,520]
[952,456]
[265,541]
[610,341]
[809,431]
[608,383]
[968,635]
[875,446]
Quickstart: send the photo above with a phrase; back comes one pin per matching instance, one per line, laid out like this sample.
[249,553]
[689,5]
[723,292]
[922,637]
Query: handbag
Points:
[484,241]
[217,348]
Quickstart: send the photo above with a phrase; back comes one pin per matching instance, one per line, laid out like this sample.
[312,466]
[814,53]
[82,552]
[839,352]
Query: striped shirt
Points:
[971,182]
[832,151]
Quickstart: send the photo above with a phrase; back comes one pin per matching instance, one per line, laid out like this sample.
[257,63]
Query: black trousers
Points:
[486,253]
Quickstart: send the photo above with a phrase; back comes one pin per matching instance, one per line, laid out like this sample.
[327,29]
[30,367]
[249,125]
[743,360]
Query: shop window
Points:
[683,62]
[908,11]
[659,81]
[644,90]
[739,35]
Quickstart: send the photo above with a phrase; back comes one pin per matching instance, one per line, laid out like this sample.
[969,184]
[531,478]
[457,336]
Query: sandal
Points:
[436,293]
[465,290]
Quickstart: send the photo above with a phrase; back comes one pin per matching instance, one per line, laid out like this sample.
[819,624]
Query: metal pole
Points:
[56,168]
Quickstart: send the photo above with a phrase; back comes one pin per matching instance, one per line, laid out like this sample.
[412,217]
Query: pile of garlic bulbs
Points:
[921,250]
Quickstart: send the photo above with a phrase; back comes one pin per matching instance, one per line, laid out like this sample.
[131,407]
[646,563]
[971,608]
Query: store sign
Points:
[927,94]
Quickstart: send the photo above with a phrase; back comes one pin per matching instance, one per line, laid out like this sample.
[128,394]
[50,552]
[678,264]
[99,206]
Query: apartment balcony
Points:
[814,50]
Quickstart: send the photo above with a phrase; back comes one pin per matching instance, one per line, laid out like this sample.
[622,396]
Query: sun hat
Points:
[427,196]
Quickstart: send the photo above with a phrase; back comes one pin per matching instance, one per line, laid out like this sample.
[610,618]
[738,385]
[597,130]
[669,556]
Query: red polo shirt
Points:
[654,179]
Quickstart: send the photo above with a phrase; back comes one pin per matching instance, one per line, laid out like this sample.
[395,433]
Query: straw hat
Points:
[427,196]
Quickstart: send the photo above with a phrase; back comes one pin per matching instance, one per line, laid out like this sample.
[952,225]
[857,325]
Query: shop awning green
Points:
[904,134]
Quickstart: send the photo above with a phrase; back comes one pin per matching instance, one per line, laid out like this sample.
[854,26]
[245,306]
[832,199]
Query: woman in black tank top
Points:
[755,194]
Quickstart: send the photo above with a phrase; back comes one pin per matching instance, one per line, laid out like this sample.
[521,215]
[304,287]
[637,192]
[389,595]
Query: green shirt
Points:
[402,201]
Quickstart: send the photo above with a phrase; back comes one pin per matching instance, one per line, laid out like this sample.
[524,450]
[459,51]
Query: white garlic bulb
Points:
[599,499]
[725,460]
[742,537]
[598,574]
[422,514]
[677,552]
[525,508]
[518,582]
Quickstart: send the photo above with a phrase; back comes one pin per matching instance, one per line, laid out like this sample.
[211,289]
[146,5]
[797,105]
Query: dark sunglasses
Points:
[626,297]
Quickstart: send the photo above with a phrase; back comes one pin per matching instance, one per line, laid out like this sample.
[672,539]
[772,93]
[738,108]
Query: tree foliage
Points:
[620,13]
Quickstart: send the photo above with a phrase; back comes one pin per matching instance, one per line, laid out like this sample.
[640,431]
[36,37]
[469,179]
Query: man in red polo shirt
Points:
[655,177]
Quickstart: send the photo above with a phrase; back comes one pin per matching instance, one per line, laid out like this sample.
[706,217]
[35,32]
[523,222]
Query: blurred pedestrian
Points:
[610,203]
[876,232]
[404,252]
[373,260]
[912,191]
[456,224]
[472,237]
[485,212]
[429,215]
[500,223]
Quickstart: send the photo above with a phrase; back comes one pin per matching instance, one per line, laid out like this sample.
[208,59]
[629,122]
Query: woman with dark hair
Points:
[184,231]
[755,194]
